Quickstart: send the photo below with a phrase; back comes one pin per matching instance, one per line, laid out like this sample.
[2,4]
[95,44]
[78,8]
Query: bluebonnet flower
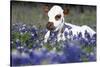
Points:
[36,56]
[87,36]
[72,52]
[80,35]
[15,58]
[74,37]
[52,55]
[92,57]
[18,43]
[65,33]
[19,58]
[93,39]
[28,47]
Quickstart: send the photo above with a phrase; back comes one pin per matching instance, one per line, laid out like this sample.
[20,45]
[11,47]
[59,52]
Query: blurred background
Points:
[33,13]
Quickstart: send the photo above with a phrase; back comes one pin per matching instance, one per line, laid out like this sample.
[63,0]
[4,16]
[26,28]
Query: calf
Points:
[56,23]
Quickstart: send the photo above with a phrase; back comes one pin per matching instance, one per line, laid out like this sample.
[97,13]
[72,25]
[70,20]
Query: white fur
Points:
[47,36]
[77,29]
[55,10]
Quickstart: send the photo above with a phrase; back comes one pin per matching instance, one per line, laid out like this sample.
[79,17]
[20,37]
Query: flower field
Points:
[28,28]
[28,47]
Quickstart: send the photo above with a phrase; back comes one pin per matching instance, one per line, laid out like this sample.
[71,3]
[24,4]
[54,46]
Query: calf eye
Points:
[57,17]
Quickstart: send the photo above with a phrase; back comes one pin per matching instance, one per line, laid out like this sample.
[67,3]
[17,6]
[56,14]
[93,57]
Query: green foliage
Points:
[88,49]
[24,37]
[33,14]
[48,46]
[21,37]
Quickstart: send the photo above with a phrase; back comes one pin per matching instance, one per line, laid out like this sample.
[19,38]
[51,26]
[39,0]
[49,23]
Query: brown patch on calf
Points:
[57,17]
[45,8]
[50,26]
[66,11]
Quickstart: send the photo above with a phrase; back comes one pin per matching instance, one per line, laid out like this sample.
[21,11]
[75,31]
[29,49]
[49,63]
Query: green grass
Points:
[34,15]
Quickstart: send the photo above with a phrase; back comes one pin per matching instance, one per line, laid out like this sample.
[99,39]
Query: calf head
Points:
[56,18]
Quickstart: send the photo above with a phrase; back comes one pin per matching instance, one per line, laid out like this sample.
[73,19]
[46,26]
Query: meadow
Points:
[28,22]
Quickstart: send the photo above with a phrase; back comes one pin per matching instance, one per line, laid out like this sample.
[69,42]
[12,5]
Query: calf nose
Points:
[50,26]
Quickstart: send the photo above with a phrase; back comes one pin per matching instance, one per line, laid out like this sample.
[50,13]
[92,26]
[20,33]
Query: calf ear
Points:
[45,8]
[66,11]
